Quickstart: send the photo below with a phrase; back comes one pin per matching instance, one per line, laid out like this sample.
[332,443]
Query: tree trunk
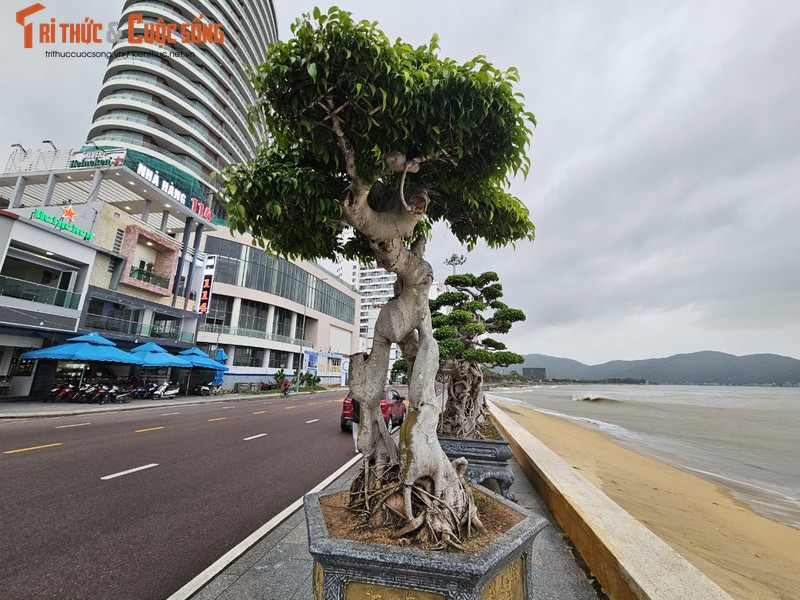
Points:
[465,407]
[415,485]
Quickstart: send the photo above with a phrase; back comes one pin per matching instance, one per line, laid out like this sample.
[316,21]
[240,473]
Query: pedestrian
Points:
[356,420]
[286,384]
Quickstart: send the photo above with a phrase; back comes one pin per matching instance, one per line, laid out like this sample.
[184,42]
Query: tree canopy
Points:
[474,311]
[338,100]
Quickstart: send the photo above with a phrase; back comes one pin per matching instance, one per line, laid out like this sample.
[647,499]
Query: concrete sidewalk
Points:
[274,563]
[279,566]
[25,409]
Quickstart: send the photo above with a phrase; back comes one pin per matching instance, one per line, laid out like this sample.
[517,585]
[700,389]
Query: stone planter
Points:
[355,570]
[488,459]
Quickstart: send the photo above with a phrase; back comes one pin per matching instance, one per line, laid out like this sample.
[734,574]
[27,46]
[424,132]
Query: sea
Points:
[746,439]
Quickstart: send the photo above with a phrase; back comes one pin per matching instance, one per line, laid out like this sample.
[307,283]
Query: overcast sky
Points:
[664,180]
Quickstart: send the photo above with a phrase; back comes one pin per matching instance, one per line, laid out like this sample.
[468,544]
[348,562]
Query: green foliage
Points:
[493,344]
[475,310]
[478,355]
[448,299]
[503,359]
[308,379]
[445,333]
[439,320]
[451,349]
[400,366]
[464,122]
[473,330]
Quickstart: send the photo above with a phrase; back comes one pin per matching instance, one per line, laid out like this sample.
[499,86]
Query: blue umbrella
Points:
[220,357]
[154,355]
[85,348]
[201,360]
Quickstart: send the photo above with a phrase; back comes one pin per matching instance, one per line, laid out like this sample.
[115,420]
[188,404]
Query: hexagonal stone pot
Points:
[354,570]
[487,459]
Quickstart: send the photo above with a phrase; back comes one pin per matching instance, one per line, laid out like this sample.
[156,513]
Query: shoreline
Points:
[748,555]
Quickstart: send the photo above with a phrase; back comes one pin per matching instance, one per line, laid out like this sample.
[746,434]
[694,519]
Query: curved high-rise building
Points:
[185,103]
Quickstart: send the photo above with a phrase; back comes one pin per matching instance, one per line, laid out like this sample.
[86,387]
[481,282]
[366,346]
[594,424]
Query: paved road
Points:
[78,521]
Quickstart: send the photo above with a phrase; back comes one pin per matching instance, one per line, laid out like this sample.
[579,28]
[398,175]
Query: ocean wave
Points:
[593,398]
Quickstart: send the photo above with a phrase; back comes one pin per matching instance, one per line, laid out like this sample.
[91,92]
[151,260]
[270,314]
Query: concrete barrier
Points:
[629,560]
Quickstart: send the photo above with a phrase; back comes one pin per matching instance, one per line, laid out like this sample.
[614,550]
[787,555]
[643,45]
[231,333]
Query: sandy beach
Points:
[748,555]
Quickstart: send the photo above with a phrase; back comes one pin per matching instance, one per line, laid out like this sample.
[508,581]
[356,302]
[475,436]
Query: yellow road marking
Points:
[259,412]
[218,419]
[148,429]
[32,448]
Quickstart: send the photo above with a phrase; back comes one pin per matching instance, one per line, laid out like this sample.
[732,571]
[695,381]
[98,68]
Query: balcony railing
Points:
[35,292]
[252,333]
[149,277]
[136,328]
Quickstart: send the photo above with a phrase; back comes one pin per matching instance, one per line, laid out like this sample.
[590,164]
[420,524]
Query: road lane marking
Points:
[74,425]
[33,448]
[169,414]
[129,471]
[259,412]
[148,429]
[288,407]
[224,407]
[312,421]
[252,437]
[217,419]
[311,403]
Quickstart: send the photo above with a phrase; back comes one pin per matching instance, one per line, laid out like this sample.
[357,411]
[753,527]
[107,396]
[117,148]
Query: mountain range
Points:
[695,368]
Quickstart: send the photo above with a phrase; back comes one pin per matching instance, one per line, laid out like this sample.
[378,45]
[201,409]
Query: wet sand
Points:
[746,554]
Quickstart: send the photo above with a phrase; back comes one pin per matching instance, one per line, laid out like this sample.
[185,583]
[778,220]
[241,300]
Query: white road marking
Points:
[312,421]
[231,555]
[169,414]
[129,471]
[224,407]
[75,425]
[252,437]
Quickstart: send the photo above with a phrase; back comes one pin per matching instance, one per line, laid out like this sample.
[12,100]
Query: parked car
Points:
[392,407]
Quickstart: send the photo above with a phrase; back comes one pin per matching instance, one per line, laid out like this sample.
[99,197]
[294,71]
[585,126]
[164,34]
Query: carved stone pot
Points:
[488,459]
[354,570]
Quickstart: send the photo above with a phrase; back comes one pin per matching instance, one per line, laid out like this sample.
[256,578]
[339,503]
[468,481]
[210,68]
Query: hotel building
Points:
[113,236]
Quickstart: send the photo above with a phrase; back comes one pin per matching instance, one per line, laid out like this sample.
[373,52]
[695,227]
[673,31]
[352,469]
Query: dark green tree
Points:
[464,319]
[387,139]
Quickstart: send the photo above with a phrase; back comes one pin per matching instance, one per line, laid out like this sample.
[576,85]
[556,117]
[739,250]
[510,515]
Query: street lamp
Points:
[455,260]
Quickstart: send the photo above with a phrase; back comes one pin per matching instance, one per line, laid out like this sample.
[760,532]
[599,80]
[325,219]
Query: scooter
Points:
[207,389]
[167,390]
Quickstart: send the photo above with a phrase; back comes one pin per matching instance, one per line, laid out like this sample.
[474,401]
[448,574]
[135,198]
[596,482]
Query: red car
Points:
[392,407]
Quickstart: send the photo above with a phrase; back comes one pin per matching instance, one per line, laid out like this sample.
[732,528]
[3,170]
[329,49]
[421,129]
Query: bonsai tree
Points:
[462,319]
[387,139]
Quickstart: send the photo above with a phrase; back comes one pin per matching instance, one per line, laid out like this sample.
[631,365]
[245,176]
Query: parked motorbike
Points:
[145,390]
[126,394]
[207,389]
[167,390]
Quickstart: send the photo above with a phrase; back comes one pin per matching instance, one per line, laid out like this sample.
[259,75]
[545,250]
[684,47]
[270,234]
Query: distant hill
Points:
[695,368]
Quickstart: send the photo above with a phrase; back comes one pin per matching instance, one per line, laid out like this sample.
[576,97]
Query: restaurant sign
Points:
[96,158]
[208,283]
[62,223]
[169,188]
